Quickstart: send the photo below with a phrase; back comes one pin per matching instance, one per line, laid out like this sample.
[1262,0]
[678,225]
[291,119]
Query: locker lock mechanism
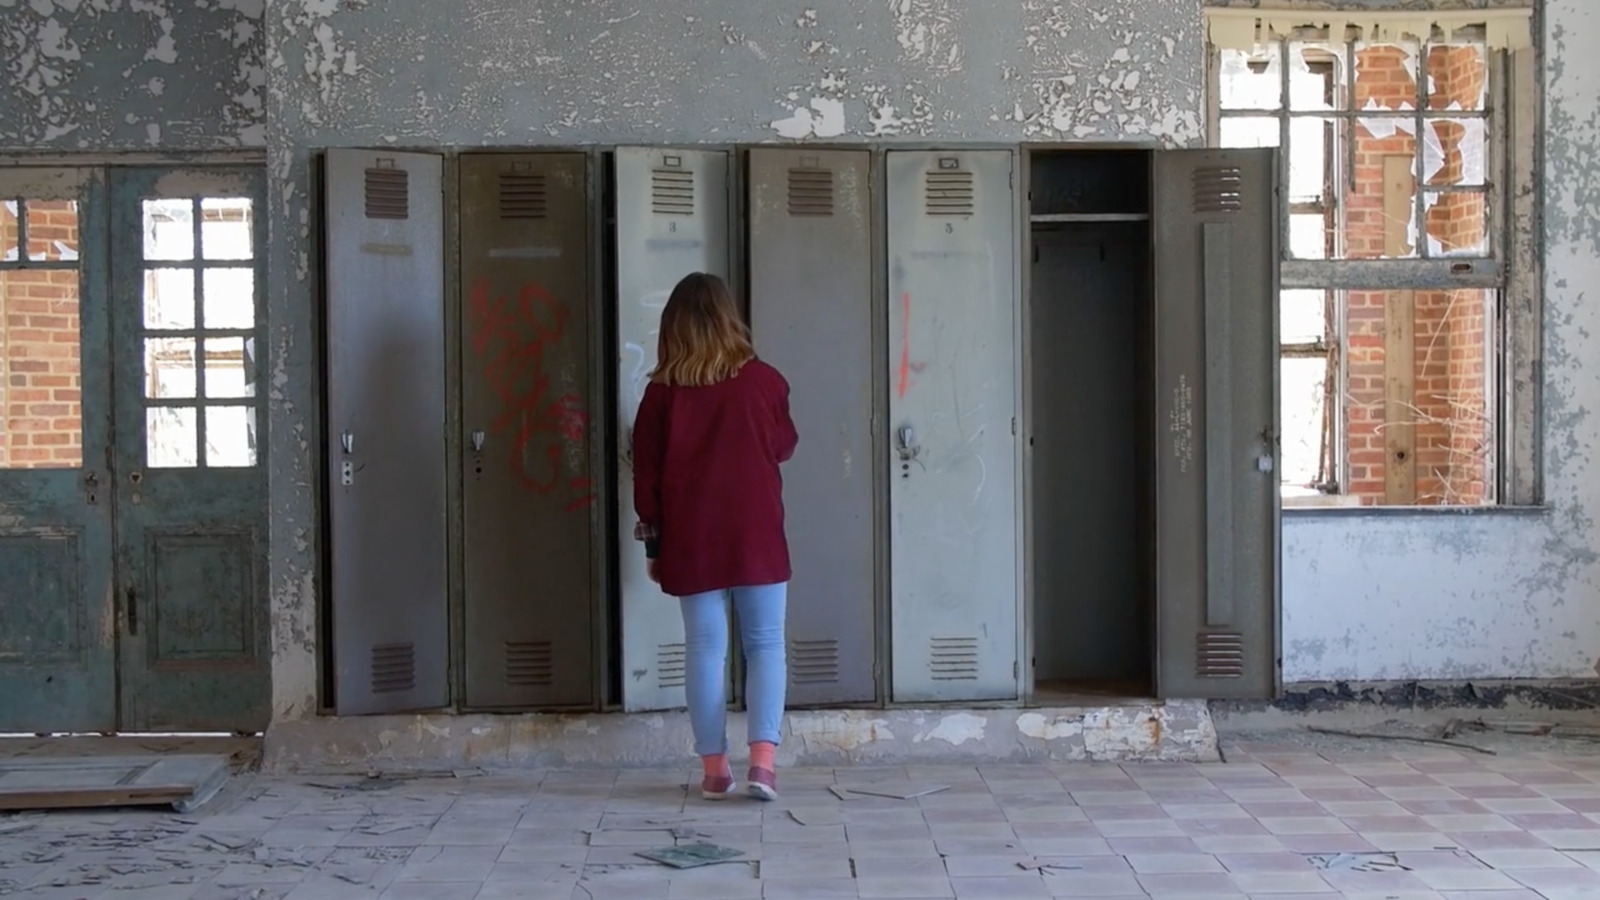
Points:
[347,466]
[908,448]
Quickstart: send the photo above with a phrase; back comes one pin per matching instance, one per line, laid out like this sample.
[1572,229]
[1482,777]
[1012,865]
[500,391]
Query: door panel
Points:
[811,313]
[1217,504]
[386,430]
[188,282]
[672,219]
[952,405]
[529,495]
[57,637]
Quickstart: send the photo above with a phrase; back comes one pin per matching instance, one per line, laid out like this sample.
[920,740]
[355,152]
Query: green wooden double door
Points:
[133,517]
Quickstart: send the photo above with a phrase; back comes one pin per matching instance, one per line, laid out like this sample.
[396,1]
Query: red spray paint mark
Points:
[905,343]
[513,337]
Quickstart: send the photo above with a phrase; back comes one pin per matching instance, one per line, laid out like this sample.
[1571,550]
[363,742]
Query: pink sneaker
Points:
[763,784]
[717,787]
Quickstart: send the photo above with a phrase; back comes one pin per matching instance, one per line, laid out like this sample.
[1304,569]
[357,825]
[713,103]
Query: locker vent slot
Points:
[1219,654]
[953,659]
[948,193]
[672,192]
[530,663]
[1218,190]
[394,668]
[671,662]
[814,662]
[523,195]
[810,192]
[387,194]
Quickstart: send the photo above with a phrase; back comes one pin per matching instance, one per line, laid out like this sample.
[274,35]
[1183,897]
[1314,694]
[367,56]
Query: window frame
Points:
[1511,265]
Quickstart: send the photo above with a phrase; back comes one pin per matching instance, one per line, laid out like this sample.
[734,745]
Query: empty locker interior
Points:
[1091,441]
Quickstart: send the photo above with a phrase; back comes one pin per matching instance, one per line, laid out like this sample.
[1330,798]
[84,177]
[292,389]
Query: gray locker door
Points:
[953,400]
[1217,424]
[528,497]
[386,412]
[811,312]
[672,219]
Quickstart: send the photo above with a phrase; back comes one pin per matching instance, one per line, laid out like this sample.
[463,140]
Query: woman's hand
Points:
[650,569]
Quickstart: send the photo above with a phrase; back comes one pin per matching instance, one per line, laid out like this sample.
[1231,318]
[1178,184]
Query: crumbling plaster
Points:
[96,75]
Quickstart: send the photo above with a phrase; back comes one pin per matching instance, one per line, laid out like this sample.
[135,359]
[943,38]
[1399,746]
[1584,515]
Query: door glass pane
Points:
[171,437]
[1455,152]
[169,368]
[1251,80]
[41,418]
[1458,76]
[225,228]
[1458,224]
[230,298]
[1304,404]
[230,436]
[169,299]
[1302,316]
[227,374]
[10,212]
[168,229]
[52,230]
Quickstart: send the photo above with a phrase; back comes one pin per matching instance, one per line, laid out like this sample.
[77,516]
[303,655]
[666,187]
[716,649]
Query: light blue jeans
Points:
[760,611]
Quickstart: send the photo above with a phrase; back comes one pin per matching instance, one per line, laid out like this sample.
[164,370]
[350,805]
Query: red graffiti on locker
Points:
[514,337]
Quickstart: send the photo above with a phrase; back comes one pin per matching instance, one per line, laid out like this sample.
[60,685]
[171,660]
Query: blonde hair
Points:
[703,338]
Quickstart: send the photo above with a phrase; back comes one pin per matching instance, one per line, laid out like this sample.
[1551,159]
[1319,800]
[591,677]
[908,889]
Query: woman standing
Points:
[711,431]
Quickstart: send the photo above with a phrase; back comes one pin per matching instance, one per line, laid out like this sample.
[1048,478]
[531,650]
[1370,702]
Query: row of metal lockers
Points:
[483,365]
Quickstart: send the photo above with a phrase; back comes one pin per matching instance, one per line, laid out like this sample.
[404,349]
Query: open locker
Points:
[529,510]
[671,209]
[1091,424]
[386,430]
[811,314]
[953,406]
[1152,427]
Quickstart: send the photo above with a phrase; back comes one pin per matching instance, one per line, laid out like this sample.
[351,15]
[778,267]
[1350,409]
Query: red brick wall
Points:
[40,413]
[1450,419]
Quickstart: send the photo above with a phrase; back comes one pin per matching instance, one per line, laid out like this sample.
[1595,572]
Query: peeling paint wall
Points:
[1392,595]
[1496,594]
[132,75]
[413,73]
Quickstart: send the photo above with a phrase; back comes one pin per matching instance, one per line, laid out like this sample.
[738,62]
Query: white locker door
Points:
[953,401]
[672,219]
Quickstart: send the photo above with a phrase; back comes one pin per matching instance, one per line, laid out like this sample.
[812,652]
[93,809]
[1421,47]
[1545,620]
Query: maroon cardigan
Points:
[706,483]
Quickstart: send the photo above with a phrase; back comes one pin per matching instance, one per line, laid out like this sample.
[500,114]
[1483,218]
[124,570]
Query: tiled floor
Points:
[1278,820]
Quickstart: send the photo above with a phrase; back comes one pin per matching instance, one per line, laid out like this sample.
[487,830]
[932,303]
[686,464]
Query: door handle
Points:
[133,611]
[348,442]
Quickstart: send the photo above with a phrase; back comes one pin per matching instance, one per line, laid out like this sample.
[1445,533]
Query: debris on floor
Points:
[816,817]
[893,790]
[691,856]
[1357,862]
[183,782]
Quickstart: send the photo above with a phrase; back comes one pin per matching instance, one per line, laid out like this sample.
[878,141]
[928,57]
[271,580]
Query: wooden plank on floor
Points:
[182,782]
[1399,340]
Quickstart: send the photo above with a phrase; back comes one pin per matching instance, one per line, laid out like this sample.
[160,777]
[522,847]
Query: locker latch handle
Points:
[348,442]
[477,442]
[908,441]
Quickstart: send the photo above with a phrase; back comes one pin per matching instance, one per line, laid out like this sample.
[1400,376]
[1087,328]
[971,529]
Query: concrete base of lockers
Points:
[1179,731]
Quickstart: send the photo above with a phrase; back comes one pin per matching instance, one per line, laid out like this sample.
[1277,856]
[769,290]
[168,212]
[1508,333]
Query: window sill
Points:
[1309,512]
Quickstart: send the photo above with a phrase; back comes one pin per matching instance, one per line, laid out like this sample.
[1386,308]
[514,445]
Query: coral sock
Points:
[762,754]
[715,765]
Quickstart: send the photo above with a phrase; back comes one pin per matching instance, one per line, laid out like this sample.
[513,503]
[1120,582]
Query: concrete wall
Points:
[506,72]
[1367,595]
[132,75]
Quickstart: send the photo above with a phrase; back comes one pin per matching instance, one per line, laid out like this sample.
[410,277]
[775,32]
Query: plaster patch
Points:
[955,729]
[1052,728]
[843,732]
[824,119]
